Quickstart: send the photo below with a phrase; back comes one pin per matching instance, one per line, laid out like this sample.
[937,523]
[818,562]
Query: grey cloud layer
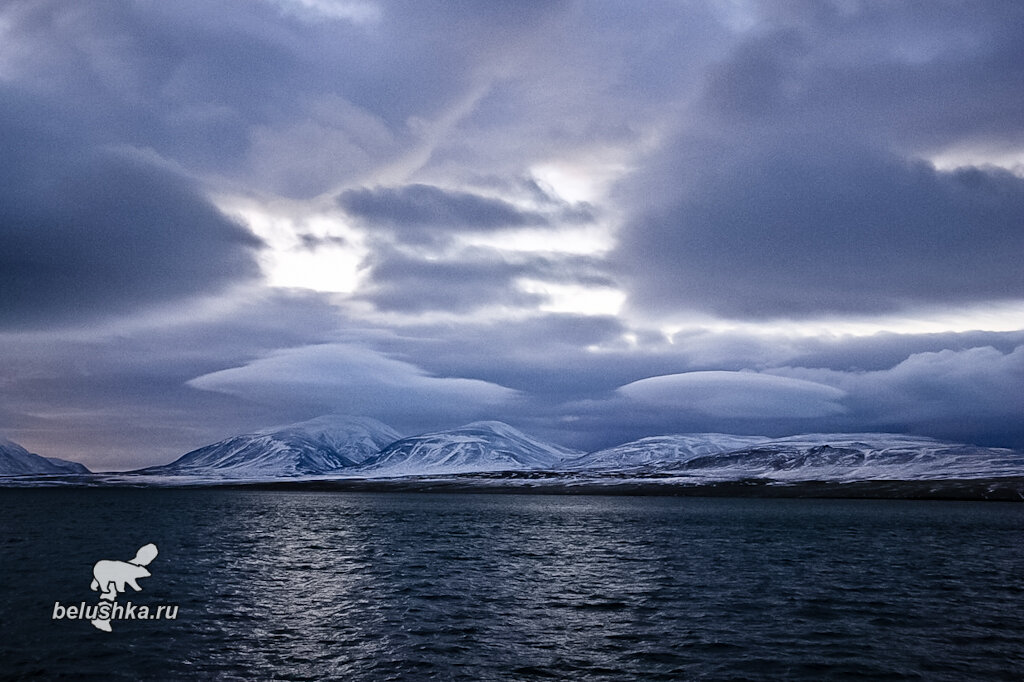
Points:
[787,187]
[85,232]
[793,188]
[468,280]
[415,268]
[792,231]
[770,163]
[425,207]
[121,398]
[296,102]
[117,395]
[408,284]
[971,395]
[949,393]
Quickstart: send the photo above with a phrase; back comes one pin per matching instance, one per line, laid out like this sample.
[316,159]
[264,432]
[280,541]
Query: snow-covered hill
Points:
[477,447]
[853,457]
[658,452]
[317,446]
[358,448]
[17,461]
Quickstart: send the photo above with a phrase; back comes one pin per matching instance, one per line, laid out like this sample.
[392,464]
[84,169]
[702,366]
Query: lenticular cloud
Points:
[737,394]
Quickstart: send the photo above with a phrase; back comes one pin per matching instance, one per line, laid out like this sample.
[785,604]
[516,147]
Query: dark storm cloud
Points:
[543,355]
[801,231]
[312,242]
[419,212]
[745,402]
[796,186]
[86,232]
[276,93]
[181,82]
[561,358]
[404,284]
[884,350]
[467,280]
[573,368]
[594,77]
[902,74]
[971,395]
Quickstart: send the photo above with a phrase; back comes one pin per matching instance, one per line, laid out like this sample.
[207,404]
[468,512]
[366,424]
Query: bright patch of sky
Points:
[356,11]
[991,317]
[574,298]
[306,248]
[1008,157]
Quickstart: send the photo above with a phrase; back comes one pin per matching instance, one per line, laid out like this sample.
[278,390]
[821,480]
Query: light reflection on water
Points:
[293,585]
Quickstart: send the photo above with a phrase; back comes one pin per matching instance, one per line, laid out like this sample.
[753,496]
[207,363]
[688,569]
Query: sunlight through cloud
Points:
[309,250]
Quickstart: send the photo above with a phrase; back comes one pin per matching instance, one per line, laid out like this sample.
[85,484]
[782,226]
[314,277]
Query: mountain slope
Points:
[476,447]
[661,451]
[17,461]
[858,456]
[68,466]
[312,447]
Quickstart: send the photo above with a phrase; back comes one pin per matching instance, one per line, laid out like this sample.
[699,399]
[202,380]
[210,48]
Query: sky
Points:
[595,221]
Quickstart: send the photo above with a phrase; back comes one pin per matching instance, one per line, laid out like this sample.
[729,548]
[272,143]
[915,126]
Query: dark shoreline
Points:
[1008,489]
[984,490]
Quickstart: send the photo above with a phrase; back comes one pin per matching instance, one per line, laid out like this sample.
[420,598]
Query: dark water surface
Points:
[364,586]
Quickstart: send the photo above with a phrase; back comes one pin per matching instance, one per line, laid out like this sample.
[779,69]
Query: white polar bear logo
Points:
[113,577]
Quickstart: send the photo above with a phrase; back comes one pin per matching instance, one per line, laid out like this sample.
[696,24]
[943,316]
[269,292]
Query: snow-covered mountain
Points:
[658,452]
[359,448]
[362,447]
[17,461]
[317,446]
[854,457]
[477,447]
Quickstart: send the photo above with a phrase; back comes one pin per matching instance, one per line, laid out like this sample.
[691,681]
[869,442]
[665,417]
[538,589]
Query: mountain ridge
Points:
[315,446]
[858,456]
[15,460]
[661,450]
[475,447]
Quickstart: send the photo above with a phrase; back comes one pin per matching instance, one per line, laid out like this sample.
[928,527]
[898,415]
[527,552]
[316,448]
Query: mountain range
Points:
[351,448]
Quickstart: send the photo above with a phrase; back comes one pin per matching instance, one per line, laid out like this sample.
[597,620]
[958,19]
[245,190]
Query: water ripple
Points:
[304,586]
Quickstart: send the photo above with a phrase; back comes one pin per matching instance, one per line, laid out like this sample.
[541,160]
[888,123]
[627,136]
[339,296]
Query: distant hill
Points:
[480,446]
[661,451]
[325,444]
[17,461]
[811,457]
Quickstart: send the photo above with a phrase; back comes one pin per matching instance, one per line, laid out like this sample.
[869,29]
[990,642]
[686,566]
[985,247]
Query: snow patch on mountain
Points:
[357,438]
[661,451]
[477,447]
[856,457]
[321,445]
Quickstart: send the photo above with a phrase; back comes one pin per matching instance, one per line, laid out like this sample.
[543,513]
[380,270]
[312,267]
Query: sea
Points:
[302,585]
